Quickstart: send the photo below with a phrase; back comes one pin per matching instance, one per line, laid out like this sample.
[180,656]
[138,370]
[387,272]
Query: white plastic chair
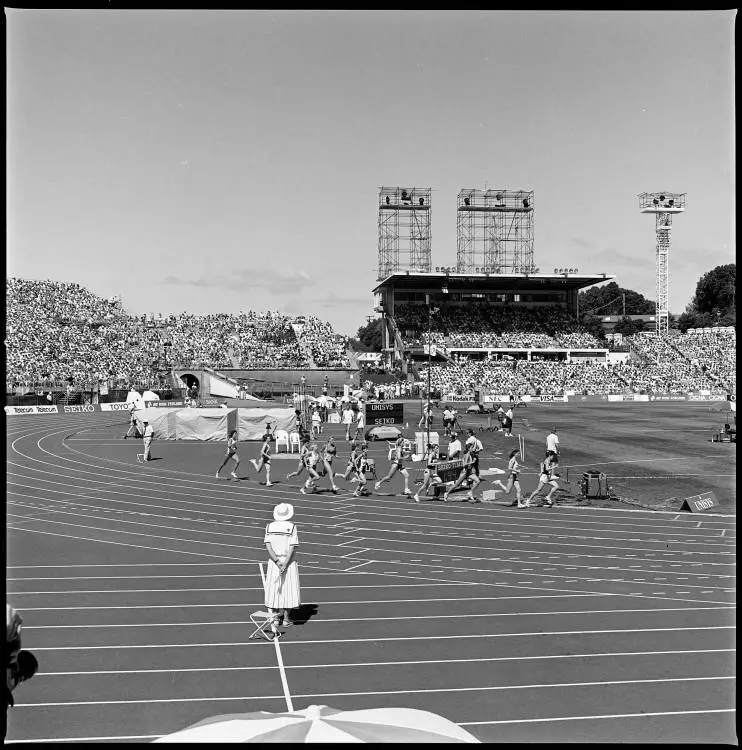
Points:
[282,438]
[294,441]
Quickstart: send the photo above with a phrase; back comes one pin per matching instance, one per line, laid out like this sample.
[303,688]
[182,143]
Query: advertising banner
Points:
[31,410]
[544,399]
[116,406]
[615,397]
[384,413]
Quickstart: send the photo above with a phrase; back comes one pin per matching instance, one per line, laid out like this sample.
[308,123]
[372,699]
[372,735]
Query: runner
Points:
[430,475]
[303,451]
[348,474]
[513,471]
[264,461]
[312,460]
[327,458]
[359,466]
[467,474]
[397,465]
[231,454]
[547,475]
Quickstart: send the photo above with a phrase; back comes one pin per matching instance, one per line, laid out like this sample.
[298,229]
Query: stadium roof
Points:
[490,281]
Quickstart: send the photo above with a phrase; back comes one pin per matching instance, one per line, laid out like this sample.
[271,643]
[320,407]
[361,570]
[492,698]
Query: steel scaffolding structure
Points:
[404,230]
[663,205]
[494,231]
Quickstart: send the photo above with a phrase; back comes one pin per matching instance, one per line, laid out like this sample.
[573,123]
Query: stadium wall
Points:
[336,378]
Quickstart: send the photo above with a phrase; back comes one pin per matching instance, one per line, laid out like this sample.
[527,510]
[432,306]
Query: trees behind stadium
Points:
[713,304]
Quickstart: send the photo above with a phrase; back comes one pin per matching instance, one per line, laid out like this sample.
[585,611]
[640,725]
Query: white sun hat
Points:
[283,512]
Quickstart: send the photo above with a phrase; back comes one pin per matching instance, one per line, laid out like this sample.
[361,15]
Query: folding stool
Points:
[263,621]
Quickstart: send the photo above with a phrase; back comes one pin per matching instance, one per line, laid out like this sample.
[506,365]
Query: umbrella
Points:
[325,724]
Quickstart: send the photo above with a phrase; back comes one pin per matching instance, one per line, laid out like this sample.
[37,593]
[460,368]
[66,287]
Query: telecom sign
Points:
[384,413]
[699,503]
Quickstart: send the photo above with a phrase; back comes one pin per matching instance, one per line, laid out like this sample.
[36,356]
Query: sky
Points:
[220,161]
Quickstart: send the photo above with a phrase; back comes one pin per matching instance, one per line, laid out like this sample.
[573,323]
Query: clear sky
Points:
[218,161]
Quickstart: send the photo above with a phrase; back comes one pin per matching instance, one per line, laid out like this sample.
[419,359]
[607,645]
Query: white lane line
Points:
[342,665]
[282,670]
[189,606]
[600,716]
[551,633]
[360,565]
[386,692]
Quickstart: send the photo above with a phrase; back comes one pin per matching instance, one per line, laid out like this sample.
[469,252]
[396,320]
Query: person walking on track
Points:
[552,442]
[231,455]
[282,588]
[513,471]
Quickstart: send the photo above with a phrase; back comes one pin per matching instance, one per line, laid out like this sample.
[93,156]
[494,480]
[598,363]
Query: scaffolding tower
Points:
[663,205]
[404,230]
[494,231]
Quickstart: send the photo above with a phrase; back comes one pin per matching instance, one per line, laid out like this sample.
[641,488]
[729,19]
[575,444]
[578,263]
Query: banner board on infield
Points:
[384,413]
[699,503]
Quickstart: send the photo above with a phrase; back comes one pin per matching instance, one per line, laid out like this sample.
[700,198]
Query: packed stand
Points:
[325,347]
[663,368]
[714,351]
[59,333]
[490,326]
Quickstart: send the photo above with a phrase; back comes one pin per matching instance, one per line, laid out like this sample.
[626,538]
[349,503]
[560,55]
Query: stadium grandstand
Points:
[515,333]
[520,333]
[62,338]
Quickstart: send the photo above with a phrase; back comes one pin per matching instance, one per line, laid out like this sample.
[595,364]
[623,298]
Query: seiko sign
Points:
[86,408]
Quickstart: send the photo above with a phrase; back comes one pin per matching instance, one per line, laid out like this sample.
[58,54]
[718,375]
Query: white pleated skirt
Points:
[282,594]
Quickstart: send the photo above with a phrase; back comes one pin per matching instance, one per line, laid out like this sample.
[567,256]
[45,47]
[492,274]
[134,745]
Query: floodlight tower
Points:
[494,231]
[404,230]
[663,205]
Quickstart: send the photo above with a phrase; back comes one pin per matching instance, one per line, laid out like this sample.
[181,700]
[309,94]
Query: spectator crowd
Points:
[57,331]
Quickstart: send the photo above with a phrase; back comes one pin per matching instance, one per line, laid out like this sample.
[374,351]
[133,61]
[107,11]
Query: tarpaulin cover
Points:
[251,422]
[161,420]
[201,424]
[213,424]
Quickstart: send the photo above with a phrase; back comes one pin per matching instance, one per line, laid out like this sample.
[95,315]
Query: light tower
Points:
[663,205]
[494,231]
[404,230]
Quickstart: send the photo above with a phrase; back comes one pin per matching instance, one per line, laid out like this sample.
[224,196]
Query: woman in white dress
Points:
[282,591]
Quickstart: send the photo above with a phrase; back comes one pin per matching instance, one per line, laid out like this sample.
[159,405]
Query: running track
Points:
[554,625]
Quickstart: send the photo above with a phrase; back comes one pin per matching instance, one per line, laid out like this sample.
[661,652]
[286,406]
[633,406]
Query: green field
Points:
[649,451]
